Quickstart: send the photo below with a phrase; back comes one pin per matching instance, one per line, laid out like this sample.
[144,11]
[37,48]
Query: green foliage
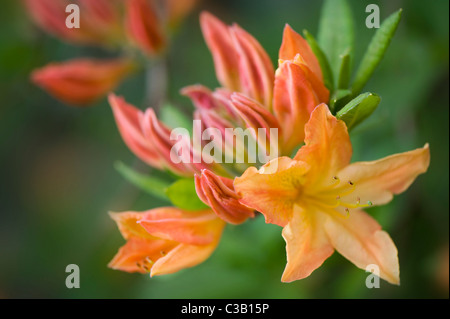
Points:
[174,118]
[150,184]
[323,60]
[336,32]
[183,195]
[344,71]
[376,50]
[358,109]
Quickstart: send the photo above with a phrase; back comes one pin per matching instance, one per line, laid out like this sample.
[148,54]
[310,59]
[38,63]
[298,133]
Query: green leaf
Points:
[358,109]
[344,71]
[323,60]
[150,184]
[336,31]
[183,195]
[174,118]
[337,98]
[376,50]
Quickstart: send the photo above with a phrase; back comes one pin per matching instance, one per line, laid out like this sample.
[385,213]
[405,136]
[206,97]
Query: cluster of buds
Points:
[111,24]
[254,96]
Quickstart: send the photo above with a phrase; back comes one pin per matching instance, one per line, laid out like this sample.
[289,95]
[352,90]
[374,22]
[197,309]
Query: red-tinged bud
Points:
[103,16]
[221,45]
[218,101]
[145,26]
[129,122]
[159,136]
[262,122]
[99,20]
[241,63]
[255,67]
[218,193]
[81,81]
[200,96]
[293,44]
[177,10]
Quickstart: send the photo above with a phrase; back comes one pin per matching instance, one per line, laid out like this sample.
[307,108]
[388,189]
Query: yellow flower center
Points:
[331,197]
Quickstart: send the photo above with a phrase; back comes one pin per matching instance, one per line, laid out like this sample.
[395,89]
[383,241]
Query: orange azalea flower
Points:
[165,240]
[81,81]
[317,198]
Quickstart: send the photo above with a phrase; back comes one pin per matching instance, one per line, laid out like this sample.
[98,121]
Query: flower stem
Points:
[156,83]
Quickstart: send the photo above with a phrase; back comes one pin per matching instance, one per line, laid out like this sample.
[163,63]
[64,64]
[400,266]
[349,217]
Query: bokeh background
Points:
[58,179]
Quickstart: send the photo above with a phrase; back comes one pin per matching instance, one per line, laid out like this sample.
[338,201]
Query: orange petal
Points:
[182,256]
[171,223]
[327,146]
[218,193]
[129,226]
[139,255]
[81,81]
[220,43]
[379,180]
[293,44]
[361,240]
[307,245]
[273,189]
[294,100]
[145,26]
[128,119]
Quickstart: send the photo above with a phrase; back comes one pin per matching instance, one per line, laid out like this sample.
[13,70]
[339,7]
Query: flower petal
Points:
[128,119]
[128,224]
[293,44]
[361,240]
[327,146]
[255,67]
[171,223]
[182,256]
[256,117]
[220,43]
[273,189]
[138,255]
[218,193]
[307,245]
[145,26]
[81,81]
[294,100]
[379,180]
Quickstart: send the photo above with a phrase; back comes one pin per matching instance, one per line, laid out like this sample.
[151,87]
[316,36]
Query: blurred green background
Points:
[58,179]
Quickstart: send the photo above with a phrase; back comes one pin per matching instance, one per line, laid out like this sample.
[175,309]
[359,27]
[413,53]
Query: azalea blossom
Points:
[165,240]
[318,198]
